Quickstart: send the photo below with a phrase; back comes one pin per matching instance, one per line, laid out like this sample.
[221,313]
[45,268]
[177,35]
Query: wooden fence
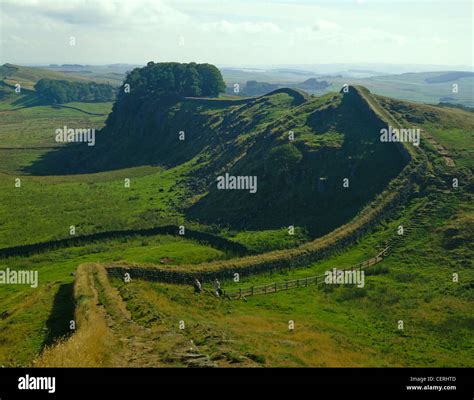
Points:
[298,283]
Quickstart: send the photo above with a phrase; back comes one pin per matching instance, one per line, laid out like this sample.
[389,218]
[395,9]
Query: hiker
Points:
[217,288]
[197,286]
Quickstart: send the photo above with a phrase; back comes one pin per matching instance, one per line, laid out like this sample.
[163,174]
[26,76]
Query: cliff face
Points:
[342,166]
[316,161]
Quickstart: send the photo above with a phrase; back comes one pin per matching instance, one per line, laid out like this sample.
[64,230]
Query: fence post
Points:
[275,286]
[265,289]
[252,290]
[240,292]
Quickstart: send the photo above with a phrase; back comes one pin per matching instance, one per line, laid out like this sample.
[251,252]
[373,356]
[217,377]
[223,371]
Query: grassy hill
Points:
[173,182]
[17,87]
[111,73]
[334,137]
[28,76]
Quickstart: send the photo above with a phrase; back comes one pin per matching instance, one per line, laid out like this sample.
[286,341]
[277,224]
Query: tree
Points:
[163,79]
[60,91]
[211,78]
[192,81]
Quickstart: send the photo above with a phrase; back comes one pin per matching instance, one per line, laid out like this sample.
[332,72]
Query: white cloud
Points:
[234,31]
[377,35]
[327,31]
[225,26]
[434,40]
[322,25]
[19,40]
[105,13]
[321,30]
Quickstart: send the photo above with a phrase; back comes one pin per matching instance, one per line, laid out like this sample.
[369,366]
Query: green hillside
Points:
[246,140]
[318,179]
[301,149]
[33,86]
[300,183]
[28,76]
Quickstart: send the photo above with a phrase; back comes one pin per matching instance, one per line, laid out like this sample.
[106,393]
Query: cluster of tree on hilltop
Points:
[171,78]
[60,91]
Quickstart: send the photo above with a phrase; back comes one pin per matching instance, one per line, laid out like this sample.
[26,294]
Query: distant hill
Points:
[27,77]
[313,84]
[459,106]
[449,77]
[43,86]
[113,74]
[423,87]
[255,88]
[293,71]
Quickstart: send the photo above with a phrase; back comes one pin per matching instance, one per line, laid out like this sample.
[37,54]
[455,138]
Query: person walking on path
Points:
[197,286]
[217,288]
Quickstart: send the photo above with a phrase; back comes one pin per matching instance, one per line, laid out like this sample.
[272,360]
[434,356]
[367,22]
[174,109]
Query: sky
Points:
[237,32]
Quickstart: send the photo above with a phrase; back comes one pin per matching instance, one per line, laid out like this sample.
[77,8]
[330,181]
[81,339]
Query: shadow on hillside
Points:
[116,151]
[62,313]
[29,100]
[147,135]
[65,160]
[130,139]
[79,158]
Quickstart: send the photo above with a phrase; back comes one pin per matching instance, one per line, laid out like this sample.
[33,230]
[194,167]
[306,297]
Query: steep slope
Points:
[319,180]
[313,158]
